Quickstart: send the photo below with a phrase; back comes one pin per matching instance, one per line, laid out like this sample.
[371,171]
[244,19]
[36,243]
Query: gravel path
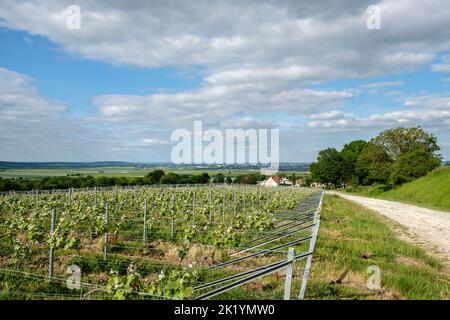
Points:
[426,227]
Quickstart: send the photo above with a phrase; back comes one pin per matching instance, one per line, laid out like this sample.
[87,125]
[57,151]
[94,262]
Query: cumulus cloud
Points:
[248,123]
[257,59]
[154,141]
[28,120]
[427,111]
[383,84]
[329,115]
[443,66]
[296,38]
[213,104]
[36,128]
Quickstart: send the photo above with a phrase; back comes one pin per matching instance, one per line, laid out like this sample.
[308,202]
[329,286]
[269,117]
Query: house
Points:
[317,185]
[285,182]
[273,181]
[299,182]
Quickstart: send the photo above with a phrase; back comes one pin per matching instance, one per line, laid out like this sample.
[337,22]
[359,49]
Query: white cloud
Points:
[427,111]
[213,104]
[383,84]
[248,123]
[330,115]
[257,60]
[154,141]
[444,66]
[246,41]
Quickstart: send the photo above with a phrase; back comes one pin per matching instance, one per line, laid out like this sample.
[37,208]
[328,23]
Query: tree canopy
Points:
[393,157]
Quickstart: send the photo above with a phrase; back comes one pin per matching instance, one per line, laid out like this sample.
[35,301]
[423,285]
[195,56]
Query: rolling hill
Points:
[432,190]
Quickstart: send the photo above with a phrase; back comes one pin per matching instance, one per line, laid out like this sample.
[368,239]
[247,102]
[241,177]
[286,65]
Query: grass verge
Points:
[351,239]
[431,191]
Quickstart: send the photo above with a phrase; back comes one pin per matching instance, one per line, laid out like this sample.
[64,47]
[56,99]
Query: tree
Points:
[154,176]
[350,154]
[373,165]
[398,141]
[391,156]
[250,178]
[328,168]
[204,177]
[412,165]
[170,178]
[219,178]
[229,180]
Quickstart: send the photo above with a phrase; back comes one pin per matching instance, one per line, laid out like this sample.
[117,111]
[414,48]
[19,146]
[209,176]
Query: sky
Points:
[134,71]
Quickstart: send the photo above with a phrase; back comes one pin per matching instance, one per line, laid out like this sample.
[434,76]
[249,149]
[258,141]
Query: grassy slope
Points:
[432,191]
[348,233]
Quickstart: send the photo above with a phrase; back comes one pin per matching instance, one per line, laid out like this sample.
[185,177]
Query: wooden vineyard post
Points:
[51,258]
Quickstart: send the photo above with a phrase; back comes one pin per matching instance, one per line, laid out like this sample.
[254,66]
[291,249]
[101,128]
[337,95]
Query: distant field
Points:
[118,172]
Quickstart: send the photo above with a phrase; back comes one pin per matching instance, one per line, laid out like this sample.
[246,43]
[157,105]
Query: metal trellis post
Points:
[145,222]
[289,271]
[210,205]
[105,247]
[312,246]
[52,230]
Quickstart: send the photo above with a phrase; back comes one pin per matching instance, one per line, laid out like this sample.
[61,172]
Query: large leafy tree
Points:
[398,155]
[350,154]
[155,176]
[399,141]
[219,178]
[373,165]
[412,165]
[328,168]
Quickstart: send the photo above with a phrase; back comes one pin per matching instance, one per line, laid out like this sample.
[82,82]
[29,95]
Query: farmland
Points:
[148,242]
[11,170]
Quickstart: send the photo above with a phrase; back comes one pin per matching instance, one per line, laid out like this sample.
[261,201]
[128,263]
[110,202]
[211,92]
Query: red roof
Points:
[276,179]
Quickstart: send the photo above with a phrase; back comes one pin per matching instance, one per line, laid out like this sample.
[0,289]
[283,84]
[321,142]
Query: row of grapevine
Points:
[134,242]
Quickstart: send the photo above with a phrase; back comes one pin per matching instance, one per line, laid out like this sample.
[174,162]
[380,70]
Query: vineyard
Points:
[194,242]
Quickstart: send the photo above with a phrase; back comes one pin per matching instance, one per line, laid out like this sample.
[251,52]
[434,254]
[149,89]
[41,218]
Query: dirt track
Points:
[425,227]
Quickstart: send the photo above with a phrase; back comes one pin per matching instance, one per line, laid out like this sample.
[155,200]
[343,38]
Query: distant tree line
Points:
[49,183]
[392,158]
[153,177]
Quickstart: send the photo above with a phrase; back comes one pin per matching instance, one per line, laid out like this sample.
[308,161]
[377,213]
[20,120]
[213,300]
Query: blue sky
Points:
[117,87]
